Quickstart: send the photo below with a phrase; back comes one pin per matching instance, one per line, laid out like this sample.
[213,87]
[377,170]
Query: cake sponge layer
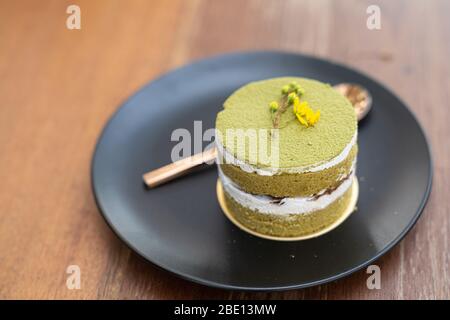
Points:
[291,185]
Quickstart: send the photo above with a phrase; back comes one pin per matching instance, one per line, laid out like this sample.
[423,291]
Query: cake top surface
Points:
[298,145]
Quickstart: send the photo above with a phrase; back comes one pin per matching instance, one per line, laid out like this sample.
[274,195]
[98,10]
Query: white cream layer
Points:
[223,153]
[295,205]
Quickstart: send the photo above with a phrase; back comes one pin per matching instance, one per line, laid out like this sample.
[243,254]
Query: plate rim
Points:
[214,284]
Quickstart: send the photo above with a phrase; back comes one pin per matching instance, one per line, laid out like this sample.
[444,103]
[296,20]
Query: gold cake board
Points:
[348,211]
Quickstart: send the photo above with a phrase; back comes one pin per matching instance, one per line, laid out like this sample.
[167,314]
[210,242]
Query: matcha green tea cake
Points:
[286,155]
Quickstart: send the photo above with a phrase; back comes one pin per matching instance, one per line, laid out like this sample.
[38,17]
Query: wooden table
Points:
[58,88]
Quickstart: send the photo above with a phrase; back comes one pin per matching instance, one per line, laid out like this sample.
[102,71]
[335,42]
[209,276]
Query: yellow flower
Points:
[309,114]
[303,108]
[314,118]
[305,115]
[301,120]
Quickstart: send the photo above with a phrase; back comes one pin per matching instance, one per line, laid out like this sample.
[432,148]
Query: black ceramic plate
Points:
[180,227]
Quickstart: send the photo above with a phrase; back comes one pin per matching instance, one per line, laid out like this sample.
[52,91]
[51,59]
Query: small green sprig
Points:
[290,94]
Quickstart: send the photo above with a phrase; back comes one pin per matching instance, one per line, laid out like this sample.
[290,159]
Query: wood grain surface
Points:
[58,87]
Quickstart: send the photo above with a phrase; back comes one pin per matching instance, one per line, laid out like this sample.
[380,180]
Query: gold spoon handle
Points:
[178,168]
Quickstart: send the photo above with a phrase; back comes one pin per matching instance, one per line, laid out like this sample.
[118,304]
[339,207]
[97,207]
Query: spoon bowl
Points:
[358,96]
